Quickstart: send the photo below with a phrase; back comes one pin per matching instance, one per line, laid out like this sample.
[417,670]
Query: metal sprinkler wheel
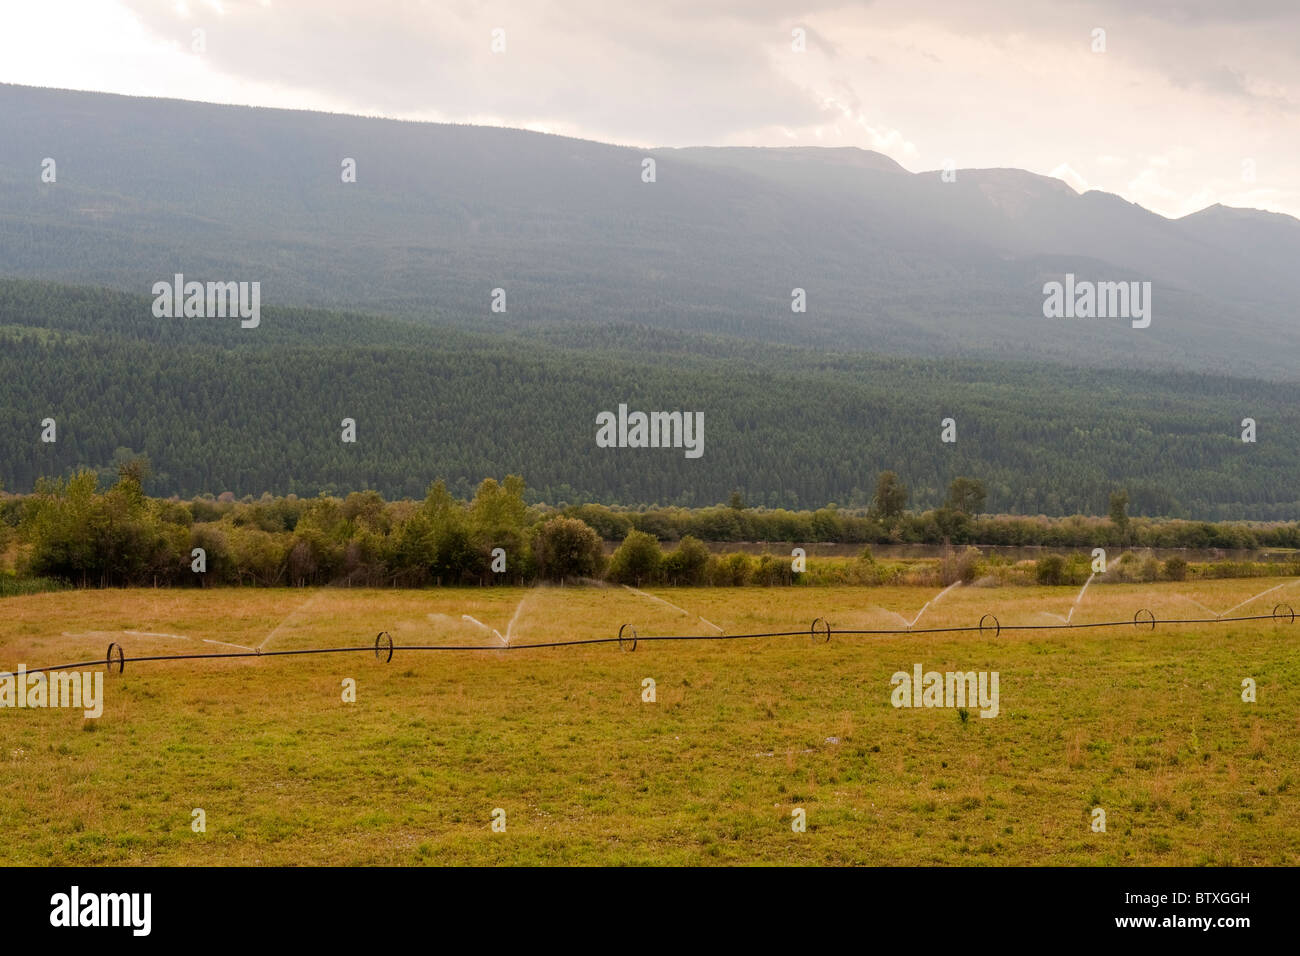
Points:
[1149,620]
[627,644]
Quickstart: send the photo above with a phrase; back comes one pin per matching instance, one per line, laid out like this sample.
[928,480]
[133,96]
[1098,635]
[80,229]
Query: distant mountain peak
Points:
[1219,212]
[1010,177]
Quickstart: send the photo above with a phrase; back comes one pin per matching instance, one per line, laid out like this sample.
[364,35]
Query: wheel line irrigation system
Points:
[627,639]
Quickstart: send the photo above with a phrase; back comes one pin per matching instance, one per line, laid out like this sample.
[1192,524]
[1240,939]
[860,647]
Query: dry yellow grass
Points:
[1148,725]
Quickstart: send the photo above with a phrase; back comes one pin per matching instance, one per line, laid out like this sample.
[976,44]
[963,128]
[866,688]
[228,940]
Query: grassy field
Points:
[1149,726]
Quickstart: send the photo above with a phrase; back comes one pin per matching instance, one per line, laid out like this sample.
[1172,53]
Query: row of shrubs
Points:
[934,526]
[640,561]
[737,523]
[71,531]
[1076,569]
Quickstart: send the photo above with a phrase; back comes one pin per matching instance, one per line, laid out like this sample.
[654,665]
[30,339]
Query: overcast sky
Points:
[1191,103]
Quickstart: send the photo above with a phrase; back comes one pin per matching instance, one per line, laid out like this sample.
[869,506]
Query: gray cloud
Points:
[1184,94]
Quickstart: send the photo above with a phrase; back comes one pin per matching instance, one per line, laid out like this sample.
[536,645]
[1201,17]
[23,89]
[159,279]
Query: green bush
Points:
[637,561]
[730,570]
[960,566]
[1050,569]
[772,570]
[687,564]
[1176,569]
[567,548]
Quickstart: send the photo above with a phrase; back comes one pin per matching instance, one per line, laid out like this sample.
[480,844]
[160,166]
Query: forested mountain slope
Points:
[219,408]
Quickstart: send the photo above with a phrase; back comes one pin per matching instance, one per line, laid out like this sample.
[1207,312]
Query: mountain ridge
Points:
[442,214]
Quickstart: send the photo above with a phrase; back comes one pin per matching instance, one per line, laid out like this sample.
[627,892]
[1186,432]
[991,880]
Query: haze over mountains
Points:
[892,261]
[925,300]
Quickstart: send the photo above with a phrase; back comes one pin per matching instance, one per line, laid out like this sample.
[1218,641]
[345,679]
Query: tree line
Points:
[75,531]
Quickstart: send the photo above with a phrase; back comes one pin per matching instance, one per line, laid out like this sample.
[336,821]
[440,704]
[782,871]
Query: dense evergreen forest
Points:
[216,408]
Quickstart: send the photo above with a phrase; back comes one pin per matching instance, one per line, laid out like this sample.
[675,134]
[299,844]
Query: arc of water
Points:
[912,622]
[178,637]
[1082,591]
[1200,605]
[1257,596]
[876,607]
[301,607]
[490,630]
[673,606]
[518,610]
[208,640]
